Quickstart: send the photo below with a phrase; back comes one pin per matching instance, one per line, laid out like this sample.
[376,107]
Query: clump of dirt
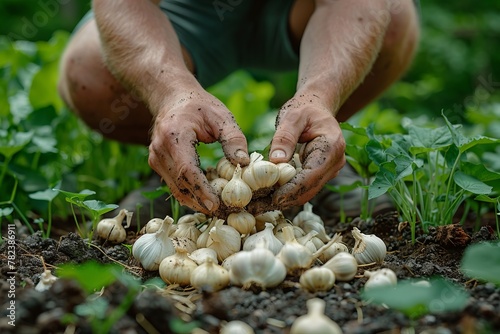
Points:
[271,311]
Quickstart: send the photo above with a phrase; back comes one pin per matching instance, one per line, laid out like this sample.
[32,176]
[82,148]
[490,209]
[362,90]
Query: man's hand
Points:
[194,117]
[305,119]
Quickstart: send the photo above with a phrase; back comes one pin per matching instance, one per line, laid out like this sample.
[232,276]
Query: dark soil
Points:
[437,253]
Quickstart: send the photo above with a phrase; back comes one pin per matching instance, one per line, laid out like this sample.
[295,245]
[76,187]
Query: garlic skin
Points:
[379,280]
[209,275]
[294,256]
[211,173]
[297,232]
[177,268]
[201,255]
[274,217]
[151,226]
[225,169]
[311,225]
[151,248]
[46,281]
[185,243]
[386,272]
[317,279]
[368,248]
[218,185]
[256,267]
[242,221]
[307,241]
[306,214]
[236,193]
[315,321]
[287,172]
[267,237]
[236,327]
[201,242]
[334,249]
[259,173]
[343,265]
[223,239]
[111,229]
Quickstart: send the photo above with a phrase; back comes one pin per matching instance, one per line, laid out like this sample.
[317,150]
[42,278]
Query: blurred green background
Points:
[456,70]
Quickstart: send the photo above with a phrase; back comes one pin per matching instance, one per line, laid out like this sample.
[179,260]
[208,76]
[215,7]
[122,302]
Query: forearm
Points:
[339,46]
[141,49]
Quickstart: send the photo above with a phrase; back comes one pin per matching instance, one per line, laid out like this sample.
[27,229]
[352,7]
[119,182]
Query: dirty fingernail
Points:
[240,154]
[208,204]
[278,154]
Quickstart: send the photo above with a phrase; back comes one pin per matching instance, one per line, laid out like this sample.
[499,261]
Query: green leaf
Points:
[9,147]
[43,90]
[91,275]
[438,297]
[383,182]
[471,184]
[376,152]
[76,198]
[428,139]
[44,195]
[487,199]
[481,261]
[99,207]
[7,211]
[354,129]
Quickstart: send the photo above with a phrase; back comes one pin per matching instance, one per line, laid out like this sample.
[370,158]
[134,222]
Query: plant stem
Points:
[443,221]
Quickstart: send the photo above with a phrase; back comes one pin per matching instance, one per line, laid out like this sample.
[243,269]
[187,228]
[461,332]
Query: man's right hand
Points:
[185,120]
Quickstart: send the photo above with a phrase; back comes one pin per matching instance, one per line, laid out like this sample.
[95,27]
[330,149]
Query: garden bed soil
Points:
[437,253]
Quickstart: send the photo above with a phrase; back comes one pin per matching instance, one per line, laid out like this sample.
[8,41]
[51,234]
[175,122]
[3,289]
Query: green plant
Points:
[45,195]
[427,171]
[480,261]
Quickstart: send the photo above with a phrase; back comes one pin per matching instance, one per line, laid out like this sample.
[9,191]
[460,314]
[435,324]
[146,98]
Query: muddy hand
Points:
[304,119]
[178,128]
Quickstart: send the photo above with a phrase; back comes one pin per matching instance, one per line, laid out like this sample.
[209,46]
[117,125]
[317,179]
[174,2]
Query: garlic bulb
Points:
[315,321]
[46,281]
[152,226]
[334,249]
[187,229]
[201,255]
[368,248]
[209,275]
[225,169]
[306,240]
[236,327]
[111,229]
[388,273]
[223,239]
[218,185]
[311,225]
[274,217]
[196,218]
[343,265]
[259,173]
[294,255]
[201,242]
[379,280]
[236,193]
[177,268]
[305,215]
[256,267]
[267,237]
[226,264]
[317,279]
[287,172]
[151,248]
[242,221]
[297,232]
[185,243]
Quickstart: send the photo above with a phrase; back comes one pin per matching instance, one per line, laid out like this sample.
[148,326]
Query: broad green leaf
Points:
[76,198]
[44,195]
[487,199]
[30,180]
[404,166]
[354,129]
[43,90]
[481,261]
[52,50]
[383,182]
[482,173]
[20,106]
[463,143]
[471,184]
[99,207]
[415,300]
[376,152]
[427,139]
[91,275]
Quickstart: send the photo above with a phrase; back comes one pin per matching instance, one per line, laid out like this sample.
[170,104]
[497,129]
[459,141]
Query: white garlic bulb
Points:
[267,237]
[311,225]
[223,239]
[242,221]
[218,185]
[185,243]
[287,172]
[368,248]
[274,217]
[256,267]
[201,242]
[343,265]
[236,193]
[152,226]
[386,272]
[225,169]
[278,232]
[317,279]
[315,321]
[151,248]
[187,230]
[201,255]
[379,280]
[226,264]
[294,256]
[111,229]
[209,275]
[236,327]
[259,173]
[307,241]
[46,281]
[177,268]
[306,214]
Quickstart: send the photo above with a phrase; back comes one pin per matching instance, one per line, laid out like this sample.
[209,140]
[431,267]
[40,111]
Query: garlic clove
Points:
[111,229]
[315,321]
[305,215]
[390,274]
[209,275]
[236,327]
[270,241]
[242,221]
[295,257]
[236,193]
[223,239]
[287,172]
[152,226]
[185,243]
[177,268]
[225,168]
[368,248]
[201,255]
[218,185]
[343,265]
[317,279]
[186,228]
[274,217]
[378,280]
[260,174]
[278,232]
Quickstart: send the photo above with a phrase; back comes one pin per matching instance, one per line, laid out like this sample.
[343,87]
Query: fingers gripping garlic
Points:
[343,265]
[150,249]
[259,173]
[256,267]
[270,241]
[317,279]
[368,248]
[223,239]
[177,268]
[315,321]
[209,275]
[111,229]
[242,221]
[236,193]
